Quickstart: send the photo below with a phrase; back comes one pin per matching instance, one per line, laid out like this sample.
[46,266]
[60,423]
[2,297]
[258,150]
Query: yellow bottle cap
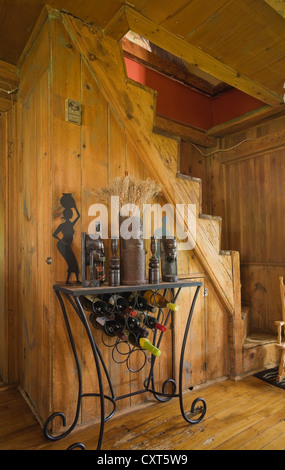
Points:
[146,344]
[173,307]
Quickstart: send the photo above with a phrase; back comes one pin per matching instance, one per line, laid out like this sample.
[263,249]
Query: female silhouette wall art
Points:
[67,230]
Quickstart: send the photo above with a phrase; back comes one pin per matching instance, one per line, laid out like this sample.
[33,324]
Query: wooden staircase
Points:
[259,350]
[135,107]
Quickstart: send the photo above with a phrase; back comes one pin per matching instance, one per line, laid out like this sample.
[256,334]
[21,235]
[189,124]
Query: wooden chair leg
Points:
[281,370]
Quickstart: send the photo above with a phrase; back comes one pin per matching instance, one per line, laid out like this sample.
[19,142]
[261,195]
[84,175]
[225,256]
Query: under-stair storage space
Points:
[247,193]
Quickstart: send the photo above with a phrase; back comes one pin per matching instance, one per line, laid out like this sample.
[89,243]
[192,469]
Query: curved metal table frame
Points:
[72,294]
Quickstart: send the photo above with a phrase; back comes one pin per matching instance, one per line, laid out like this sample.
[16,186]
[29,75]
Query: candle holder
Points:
[93,259]
[168,253]
[153,272]
[114,264]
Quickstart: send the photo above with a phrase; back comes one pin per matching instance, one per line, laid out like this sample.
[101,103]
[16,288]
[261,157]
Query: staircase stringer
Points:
[135,106]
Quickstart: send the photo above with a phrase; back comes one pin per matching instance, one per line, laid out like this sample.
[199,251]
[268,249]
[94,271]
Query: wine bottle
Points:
[140,302]
[117,301]
[131,324]
[130,311]
[98,306]
[159,300]
[143,343]
[110,327]
[127,321]
[150,321]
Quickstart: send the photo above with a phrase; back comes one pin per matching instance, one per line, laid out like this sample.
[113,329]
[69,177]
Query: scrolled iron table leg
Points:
[197,400]
[75,445]
[62,415]
[97,356]
[162,396]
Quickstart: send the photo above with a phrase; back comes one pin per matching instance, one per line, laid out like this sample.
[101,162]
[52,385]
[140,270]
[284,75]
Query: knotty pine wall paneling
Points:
[94,168]
[11,229]
[65,70]
[34,199]
[246,189]
[3,244]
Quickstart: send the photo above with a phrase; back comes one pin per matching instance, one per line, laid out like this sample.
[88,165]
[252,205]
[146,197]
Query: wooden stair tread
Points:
[259,338]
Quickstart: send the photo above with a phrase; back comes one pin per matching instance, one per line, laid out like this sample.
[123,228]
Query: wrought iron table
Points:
[73,294]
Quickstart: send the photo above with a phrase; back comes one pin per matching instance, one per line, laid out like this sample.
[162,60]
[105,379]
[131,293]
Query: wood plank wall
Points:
[55,156]
[3,258]
[245,187]
[34,274]
[9,230]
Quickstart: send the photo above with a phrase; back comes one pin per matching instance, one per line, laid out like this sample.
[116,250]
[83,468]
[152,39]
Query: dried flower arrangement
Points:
[130,190]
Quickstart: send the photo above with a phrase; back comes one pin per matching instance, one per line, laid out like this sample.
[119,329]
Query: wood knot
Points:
[92,57]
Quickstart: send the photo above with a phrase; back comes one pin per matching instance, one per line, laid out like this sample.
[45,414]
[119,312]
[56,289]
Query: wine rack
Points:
[74,295]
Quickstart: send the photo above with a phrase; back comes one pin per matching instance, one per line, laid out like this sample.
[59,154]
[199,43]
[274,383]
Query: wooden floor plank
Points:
[252,438]
[241,415]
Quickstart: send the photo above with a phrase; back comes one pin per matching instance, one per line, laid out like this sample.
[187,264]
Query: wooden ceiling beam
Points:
[249,119]
[184,132]
[129,19]
[152,61]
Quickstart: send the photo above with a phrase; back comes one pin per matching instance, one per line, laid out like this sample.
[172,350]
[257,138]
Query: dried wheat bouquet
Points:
[130,190]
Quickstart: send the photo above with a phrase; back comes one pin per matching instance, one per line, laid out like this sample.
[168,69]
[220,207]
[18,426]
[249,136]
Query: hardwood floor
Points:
[243,415]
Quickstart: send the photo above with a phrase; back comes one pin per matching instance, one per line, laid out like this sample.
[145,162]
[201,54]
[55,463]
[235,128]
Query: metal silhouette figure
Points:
[67,231]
